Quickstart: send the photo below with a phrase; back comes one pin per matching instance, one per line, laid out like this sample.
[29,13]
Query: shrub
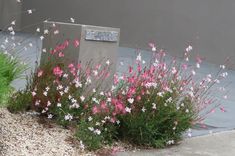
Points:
[10,69]
[161,101]
[151,105]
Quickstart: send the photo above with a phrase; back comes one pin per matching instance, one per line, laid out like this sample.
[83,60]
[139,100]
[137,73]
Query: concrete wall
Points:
[10,10]
[209,25]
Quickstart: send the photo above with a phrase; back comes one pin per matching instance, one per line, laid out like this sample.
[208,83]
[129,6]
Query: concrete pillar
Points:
[95,43]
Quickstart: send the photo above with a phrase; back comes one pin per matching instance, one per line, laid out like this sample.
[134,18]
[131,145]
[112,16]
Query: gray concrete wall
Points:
[209,25]
[10,10]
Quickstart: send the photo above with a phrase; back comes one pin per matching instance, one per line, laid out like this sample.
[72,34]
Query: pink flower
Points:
[71,65]
[61,54]
[57,71]
[95,110]
[76,43]
[40,72]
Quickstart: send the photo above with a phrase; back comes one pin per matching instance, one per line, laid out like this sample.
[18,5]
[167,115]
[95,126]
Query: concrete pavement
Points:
[217,144]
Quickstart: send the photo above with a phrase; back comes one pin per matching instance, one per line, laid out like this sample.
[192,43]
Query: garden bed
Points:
[22,134]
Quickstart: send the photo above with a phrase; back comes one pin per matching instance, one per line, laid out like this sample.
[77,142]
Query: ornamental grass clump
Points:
[10,69]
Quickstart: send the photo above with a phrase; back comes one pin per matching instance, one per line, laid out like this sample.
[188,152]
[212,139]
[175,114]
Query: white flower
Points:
[49,116]
[44,111]
[130,100]
[68,117]
[41,37]
[128,109]
[154,106]
[169,100]
[10,28]
[189,48]
[97,131]
[72,20]
[174,70]
[75,105]
[70,97]
[170,142]
[90,118]
[37,102]
[113,88]
[34,93]
[160,94]
[198,65]
[190,135]
[48,103]
[222,66]
[65,75]
[154,48]
[108,62]
[95,100]
[143,109]
[123,92]
[225,97]
[44,50]
[12,33]
[102,93]
[93,90]
[107,117]
[118,122]
[138,58]
[97,124]
[73,100]
[143,62]
[66,90]
[187,111]
[38,30]
[56,32]
[193,72]
[182,105]
[47,89]
[58,104]
[61,93]
[91,128]
[109,99]
[13,23]
[45,93]
[88,81]
[82,98]
[29,11]
[46,31]
[60,87]
[95,72]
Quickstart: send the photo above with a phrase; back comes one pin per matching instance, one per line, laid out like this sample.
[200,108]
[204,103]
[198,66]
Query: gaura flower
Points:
[57,71]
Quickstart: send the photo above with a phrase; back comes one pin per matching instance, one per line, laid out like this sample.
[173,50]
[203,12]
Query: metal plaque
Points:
[105,36]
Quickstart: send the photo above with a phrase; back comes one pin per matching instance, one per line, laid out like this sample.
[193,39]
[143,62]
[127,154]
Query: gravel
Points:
[22,135]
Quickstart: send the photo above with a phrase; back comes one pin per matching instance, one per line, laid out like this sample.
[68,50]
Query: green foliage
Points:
[20,101]
[154,130]
[10,69]
[96,133]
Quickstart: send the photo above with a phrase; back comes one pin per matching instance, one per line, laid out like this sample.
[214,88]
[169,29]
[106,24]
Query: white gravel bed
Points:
[22,135]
